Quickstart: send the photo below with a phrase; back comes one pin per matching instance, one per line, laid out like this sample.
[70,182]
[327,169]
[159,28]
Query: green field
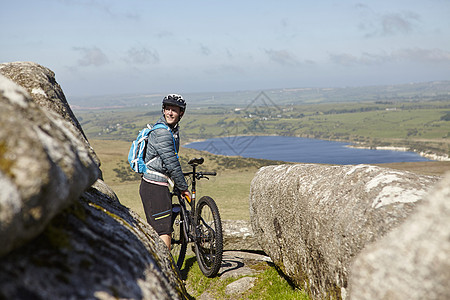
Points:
[406,121]
[422,126]
[412,122]
[412,92]
[418,125]
[230,188]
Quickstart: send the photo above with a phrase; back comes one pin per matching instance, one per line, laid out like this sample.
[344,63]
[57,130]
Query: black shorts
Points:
[157,206]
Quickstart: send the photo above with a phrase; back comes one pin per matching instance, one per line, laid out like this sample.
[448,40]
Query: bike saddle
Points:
[196,161]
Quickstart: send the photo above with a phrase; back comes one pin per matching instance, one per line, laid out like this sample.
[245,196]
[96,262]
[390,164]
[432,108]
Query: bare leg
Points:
[167,239]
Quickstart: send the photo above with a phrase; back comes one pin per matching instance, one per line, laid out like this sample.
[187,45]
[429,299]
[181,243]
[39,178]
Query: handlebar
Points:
[200,174]
[194,162]
[208,173]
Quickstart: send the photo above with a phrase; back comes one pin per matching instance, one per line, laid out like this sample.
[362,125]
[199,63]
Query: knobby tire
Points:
[179,242]
[209,240]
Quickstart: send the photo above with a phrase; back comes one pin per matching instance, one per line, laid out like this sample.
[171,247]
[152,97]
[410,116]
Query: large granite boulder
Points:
[41,85]
[44,167]
[65,234]
[313,219]
[95,249]
[413,261]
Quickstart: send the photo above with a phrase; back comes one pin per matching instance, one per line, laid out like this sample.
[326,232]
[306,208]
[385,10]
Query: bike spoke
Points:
[207,225]
[209,237]
[179,244]
[203,227]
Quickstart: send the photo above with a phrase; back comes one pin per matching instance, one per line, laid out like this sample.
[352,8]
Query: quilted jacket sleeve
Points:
[164,146]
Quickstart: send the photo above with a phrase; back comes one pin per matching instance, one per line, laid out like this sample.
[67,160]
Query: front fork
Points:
[192,233]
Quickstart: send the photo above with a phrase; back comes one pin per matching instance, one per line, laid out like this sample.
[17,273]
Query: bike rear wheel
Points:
[209,239]
[179,242]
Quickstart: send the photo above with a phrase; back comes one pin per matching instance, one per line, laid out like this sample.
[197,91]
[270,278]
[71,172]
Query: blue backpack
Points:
[136,155]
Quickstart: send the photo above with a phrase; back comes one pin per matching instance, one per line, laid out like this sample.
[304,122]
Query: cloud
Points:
[282,57]
[164,34]
[142,56]
[361,6]
[205,50]
[229,53]
[423,55]
[387,24]
[415,55]
[346,59]
[398,23]
[91,57]
[102,6]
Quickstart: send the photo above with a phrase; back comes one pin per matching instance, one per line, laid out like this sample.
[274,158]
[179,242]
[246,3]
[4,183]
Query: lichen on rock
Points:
[64,233]
[313,219]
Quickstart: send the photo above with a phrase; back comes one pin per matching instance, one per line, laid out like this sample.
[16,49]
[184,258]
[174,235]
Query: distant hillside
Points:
[437,90]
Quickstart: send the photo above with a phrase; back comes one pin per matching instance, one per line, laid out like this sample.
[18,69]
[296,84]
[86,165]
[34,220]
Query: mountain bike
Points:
[201,225]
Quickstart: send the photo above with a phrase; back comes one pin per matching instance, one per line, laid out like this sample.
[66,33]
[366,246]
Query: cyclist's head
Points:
[175,100]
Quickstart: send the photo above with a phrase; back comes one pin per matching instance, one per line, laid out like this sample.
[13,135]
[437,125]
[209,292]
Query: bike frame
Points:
[195,227]
[193,188]
[188,230]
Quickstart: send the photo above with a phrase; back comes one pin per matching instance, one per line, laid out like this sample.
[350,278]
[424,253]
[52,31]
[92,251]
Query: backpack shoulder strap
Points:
[159,125]
[162,125]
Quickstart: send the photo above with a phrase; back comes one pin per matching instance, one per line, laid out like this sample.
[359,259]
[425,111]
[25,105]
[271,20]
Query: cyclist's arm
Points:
[165,148]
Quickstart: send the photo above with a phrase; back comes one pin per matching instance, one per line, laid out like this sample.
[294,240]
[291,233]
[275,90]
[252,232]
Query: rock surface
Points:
[236,265]
[238,235]
[412,261]
[313,219]
[41,85]
[44,167]
[95,249]
[64,233]
[240,286]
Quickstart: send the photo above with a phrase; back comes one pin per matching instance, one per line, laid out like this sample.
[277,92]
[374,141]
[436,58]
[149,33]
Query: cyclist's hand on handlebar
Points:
[187,195]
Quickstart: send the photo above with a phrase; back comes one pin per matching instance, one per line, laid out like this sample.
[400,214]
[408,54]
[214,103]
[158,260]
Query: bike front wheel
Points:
[179,242]
[209,240]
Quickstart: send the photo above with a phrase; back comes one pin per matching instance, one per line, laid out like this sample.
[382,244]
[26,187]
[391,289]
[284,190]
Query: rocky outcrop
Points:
[44,167]
[238,235]
[412,261]
[312,220]
[64,233]
[95,249]
[41,84]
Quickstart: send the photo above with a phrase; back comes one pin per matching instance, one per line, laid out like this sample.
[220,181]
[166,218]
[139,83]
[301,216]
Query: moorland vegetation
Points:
[414,117]
[419,120]
[418,126]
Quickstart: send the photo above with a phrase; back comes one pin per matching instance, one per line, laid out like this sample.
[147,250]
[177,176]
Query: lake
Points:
[294,149]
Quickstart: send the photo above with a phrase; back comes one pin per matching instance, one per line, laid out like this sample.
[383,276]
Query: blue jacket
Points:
[161,159]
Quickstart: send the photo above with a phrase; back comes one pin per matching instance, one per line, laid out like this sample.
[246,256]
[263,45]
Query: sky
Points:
[105,47]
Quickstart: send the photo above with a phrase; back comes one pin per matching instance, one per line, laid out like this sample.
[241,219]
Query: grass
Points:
[269,283]
[415,124]
[272,285]
[230,189]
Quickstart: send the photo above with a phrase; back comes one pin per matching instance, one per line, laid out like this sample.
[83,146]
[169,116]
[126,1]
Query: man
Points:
[163,164]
